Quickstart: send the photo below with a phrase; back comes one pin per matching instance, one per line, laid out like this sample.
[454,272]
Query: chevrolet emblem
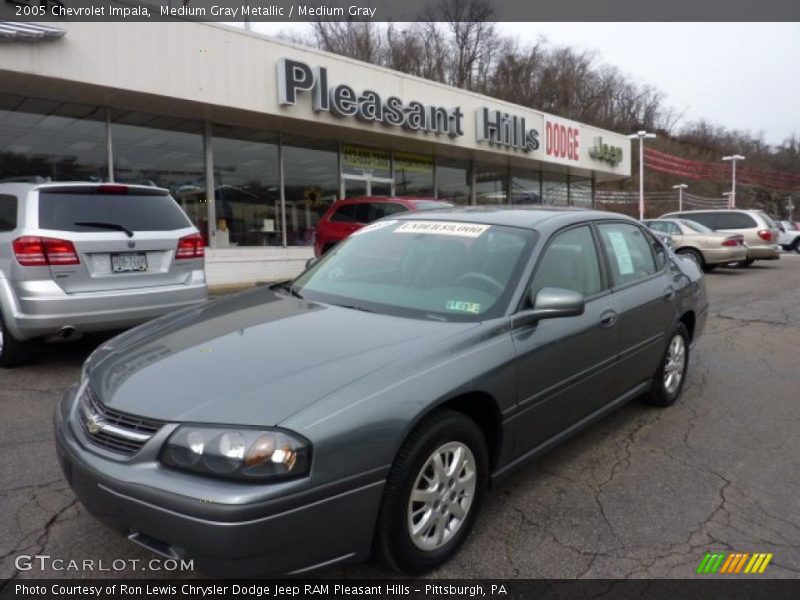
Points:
[93,425]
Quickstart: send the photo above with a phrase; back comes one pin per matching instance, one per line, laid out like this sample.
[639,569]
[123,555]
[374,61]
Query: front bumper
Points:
[291,534]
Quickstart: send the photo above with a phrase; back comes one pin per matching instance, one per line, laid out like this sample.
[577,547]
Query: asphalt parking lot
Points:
[644,493]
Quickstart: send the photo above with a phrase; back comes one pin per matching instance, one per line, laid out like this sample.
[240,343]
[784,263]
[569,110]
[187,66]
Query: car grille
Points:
[113,430]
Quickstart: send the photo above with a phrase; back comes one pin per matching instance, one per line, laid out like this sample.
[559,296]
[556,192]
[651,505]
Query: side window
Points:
[661,226]
[8,212]
[735,220]
[707,219]
[629,251]
[673,229]
[378,210]
[570,262]
[659,251]
[345,214]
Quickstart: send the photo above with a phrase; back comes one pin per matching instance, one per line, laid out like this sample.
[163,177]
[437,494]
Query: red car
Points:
[351,214]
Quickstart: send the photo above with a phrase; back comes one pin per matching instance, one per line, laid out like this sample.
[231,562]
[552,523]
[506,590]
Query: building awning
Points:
[28,32]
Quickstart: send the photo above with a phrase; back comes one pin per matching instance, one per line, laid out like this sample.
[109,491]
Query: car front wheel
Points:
[671,374]
[433,493]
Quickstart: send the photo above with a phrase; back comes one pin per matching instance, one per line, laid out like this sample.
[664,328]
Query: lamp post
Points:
[680,187]
[729,197]
[642,136]
[733,158]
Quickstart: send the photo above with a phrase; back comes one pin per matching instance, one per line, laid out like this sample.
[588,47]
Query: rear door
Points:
[125,237]
[643,291]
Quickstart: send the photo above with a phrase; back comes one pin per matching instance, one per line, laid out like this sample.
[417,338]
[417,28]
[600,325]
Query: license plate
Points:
[128,262]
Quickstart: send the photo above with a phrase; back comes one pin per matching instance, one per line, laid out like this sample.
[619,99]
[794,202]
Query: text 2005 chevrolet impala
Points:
[366,406]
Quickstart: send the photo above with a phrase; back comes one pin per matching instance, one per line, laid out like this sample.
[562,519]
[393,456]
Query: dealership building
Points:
[255,137]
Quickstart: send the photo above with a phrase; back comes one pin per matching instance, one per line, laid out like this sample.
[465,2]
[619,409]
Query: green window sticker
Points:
[460,305]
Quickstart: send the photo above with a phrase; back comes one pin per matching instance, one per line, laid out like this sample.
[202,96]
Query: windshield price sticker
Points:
[621,251]
[470,307]
[468,230]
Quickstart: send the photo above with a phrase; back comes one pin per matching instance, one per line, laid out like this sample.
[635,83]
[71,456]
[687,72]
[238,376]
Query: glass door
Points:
[354,186]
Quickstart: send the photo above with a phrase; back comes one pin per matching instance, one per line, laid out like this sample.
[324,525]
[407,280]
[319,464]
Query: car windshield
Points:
[442,270]
[695,226]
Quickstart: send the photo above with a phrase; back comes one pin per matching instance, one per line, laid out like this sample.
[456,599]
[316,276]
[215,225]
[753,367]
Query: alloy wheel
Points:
[675,364]
[442,496]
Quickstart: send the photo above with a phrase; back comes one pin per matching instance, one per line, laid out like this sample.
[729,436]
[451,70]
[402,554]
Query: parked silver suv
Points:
[758,229]
[81,257]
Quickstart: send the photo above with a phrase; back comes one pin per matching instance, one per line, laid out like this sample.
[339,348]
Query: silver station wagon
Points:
[83,257]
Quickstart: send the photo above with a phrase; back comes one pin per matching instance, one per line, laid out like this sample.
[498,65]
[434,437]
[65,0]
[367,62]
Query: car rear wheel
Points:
[671,374]
[13,352]
[694,255]
[742,264]
[797,245]
[433,493]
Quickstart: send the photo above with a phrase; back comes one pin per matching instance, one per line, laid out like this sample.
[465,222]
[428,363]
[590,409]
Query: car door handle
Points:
[669,294]
[608,319]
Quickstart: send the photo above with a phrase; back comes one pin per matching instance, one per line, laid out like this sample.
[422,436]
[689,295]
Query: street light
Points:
[729,197]
[733,158]
[680,187]
[642,136]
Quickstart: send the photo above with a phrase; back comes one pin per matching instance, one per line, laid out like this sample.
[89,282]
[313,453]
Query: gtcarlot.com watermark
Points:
[45,562]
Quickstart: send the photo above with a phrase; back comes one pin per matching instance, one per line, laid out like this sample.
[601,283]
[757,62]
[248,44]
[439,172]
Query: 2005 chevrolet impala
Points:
[366,406]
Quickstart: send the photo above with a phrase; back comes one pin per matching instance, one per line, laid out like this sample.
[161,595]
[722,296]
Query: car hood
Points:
[252,359]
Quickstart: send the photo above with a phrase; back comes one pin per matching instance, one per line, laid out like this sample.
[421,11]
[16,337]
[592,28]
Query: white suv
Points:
[81,257]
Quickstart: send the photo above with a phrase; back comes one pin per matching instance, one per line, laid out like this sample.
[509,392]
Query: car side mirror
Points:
[312,261]
[551,303]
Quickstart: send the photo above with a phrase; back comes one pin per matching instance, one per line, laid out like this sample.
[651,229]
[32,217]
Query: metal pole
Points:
[211,203]
[680,199]
[733,187]
[109,146]
[641,178]
[282,191]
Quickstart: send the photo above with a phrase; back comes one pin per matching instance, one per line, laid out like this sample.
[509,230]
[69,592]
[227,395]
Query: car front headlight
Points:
[233,453]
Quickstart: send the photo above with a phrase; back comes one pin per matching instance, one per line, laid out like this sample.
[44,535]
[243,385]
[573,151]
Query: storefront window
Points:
[453,181]
[491,184]
[580,192]
[246,188]
[525,187]
[554,189]
[311,185]
[56,141]
[413,174]
[165,152]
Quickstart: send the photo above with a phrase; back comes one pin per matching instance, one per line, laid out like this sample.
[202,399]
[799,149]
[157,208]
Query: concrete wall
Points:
[229,267]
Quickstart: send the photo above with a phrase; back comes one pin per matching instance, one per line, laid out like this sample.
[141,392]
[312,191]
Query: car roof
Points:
[22,188]
[357,199]
[528,218]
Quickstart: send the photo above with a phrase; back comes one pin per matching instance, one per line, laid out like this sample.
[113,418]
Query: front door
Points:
[566,366]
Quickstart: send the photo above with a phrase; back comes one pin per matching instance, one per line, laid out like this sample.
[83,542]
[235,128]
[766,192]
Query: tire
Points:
[708,268]
[665,391]
[796,246]
[694,255]
[743,264]
[442,434]
[13,352]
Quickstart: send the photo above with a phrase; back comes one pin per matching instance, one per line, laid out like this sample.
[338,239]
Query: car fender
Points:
[361,427]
